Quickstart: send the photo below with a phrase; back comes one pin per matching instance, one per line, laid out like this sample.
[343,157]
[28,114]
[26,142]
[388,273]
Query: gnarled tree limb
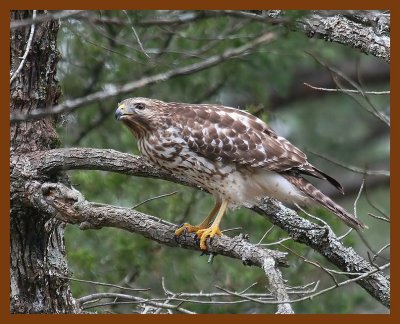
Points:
[366,30]
[301,230]
[69,205]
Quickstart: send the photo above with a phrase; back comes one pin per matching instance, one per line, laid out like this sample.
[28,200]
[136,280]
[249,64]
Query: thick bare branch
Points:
[69,205]
[365,30]
[345,29]
[301,230]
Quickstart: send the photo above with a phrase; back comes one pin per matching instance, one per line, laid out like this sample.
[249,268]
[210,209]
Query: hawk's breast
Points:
[241,186]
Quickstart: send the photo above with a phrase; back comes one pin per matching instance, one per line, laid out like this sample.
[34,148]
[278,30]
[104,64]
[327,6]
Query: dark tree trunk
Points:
[37,257]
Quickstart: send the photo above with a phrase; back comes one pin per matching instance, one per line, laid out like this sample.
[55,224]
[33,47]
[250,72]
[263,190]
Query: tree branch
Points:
[46,17]
[373,73]
[69,205]
[324,241]
[69,106]
[368,31]
[80,211]
[275,280]
[348,30]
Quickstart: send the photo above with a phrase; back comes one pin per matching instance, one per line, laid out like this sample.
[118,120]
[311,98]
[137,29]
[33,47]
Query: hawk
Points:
[237,157]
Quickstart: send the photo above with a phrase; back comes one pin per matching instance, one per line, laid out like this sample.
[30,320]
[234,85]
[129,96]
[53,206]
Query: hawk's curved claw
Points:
[210,232]
[201,233]
[187,228]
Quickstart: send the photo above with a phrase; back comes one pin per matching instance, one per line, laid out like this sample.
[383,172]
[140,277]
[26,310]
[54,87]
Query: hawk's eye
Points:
[140,106]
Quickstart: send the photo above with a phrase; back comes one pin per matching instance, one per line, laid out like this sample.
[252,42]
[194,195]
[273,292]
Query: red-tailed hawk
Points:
[229,152]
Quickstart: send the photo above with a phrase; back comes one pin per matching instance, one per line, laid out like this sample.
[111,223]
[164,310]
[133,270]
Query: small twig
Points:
[212,296]
[347,90]
[352,168]
[169,297]
[111,50]
[343,283]
[380,251]
[315,283]
[336,73]
[345,234]
[154,198]
[372,261]
[104,284]
[28,47]
[132,300]
[136,35]
[316,264]
[245,296]
[340,284]
[314,217]
[355,213]
[211,258]
[379,217]
[232,229]
[249,287]
[276,242]
[265,234]
[379,210]
[358,197]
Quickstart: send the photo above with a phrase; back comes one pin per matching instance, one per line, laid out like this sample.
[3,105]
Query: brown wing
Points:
[226,134]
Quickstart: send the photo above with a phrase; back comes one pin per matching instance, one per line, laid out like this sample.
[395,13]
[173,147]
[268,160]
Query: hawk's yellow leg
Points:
[204,224]
[214,228]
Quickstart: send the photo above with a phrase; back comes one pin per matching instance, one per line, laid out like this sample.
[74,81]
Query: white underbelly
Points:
[246,189]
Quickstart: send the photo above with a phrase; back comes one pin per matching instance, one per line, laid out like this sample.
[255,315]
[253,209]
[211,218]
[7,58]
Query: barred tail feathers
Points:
[316,195]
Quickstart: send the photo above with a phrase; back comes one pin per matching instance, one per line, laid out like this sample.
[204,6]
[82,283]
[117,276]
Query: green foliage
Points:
[97,54]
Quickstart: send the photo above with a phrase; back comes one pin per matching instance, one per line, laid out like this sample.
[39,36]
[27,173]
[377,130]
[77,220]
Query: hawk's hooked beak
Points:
[121,111]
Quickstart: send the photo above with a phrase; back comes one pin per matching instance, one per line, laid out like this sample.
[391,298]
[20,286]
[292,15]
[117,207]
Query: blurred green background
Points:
[105,48]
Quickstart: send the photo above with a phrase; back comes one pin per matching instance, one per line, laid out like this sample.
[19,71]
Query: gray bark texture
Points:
[368,31]
[68,205]
[37,255]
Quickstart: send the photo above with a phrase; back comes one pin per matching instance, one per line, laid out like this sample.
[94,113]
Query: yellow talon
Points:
[186,227]
[210,232]
[203,231]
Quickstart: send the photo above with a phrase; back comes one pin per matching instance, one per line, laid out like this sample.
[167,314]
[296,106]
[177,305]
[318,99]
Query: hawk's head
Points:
[140,115]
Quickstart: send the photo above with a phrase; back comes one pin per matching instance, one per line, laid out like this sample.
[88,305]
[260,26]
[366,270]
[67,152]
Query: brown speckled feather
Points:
[227,134]
[231,153]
